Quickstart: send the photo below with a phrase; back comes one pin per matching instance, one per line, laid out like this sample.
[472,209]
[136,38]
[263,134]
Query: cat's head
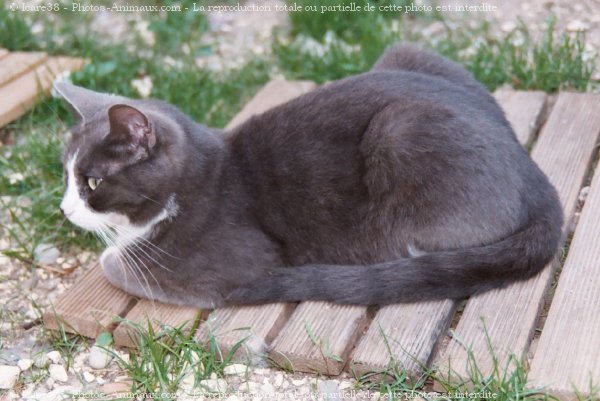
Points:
[120,164]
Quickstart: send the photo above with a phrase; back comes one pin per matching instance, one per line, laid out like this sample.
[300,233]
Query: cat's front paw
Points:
[113,268]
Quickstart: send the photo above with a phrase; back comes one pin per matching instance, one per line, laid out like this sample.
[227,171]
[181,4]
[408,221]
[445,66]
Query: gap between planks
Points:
[504,320]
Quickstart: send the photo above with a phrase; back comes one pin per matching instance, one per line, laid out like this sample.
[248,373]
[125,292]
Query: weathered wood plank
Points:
[91,306]
[155,313]
[17,96]
[403,335]
[16,64]
[407,335]
[524,110]
[276,92]
[563,151]
[318,337]
[254,326]
[568,353]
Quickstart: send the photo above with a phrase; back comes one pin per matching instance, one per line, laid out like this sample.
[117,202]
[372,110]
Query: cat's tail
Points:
[440,275]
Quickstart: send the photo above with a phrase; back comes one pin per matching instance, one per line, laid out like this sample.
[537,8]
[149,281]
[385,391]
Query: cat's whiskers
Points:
[130,264]
[122,230]
[141,241]
[151,246]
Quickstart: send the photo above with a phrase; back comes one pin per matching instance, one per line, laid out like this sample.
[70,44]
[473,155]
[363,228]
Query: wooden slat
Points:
[563,151]
[254,326]
[91,306]
[155,313]
[524,110]
[17,96]
[568,353]
[402,335]
[18,63]
[318,337]
[276,92]
[406,335]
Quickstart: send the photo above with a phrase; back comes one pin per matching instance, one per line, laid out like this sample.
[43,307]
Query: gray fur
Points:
[324,197]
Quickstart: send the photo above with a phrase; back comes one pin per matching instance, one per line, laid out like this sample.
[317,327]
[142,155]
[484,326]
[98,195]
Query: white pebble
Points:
[46,254]
[278,380]
[214,385]
[268,389]
[25,364]
[58,373]
[235,369]
[299,382]
[88,377]
[55,357]
[577,25]
[8,376]
[99,358]
[345,385]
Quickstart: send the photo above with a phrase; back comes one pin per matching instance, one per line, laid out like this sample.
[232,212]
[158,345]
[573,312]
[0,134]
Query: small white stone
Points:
[268,389]
[508,26]
[583,194]
[278,380]
[577,25]
[25,364]
[99,358]
[249,387]
[299,382]
[58,373]
[46,254]
[50,383]
[235,369]
[214,385]
[100,380]
[344,385]
[88,377]
[55,357]
[8,376]
[329,389]
[41,362]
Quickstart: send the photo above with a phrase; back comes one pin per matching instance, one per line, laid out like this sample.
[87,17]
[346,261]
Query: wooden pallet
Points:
[361,340]
[24,76]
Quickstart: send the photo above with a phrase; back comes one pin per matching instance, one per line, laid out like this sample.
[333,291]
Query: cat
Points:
[401,184]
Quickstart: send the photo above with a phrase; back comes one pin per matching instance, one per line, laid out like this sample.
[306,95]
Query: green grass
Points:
[507,381]
[557,61]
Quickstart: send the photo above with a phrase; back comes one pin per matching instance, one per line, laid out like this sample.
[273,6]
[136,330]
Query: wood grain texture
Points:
[413,330]
[524,110]
[16,64]
[563,151]
[276,92]
[255,326]
[17,96]
[568,353]
[404,335]
[91,306]
[318,337]
[158,315]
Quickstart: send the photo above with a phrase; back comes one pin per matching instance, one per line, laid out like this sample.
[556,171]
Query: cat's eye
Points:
[93,182]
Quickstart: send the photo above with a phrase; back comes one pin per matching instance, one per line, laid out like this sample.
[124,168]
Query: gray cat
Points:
[401,184]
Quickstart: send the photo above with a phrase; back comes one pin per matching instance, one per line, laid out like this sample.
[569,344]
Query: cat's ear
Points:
[83,102]
[130,127]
